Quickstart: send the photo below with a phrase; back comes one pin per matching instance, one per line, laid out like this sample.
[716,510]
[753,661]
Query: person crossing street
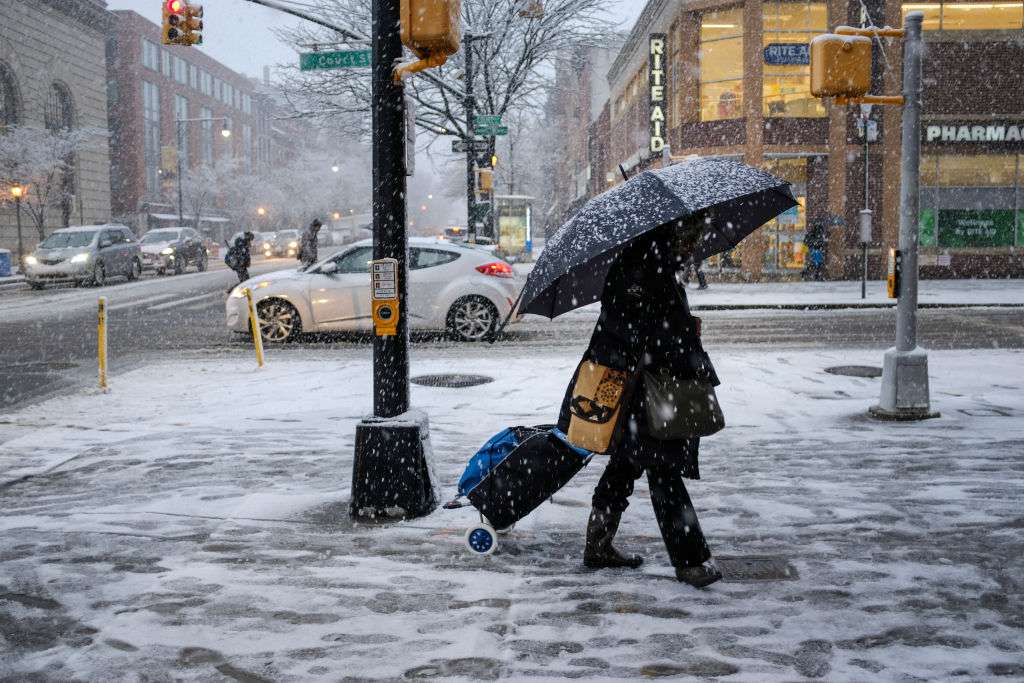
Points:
[308,245]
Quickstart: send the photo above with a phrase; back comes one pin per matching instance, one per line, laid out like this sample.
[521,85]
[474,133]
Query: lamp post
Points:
[17,191]
[225,131]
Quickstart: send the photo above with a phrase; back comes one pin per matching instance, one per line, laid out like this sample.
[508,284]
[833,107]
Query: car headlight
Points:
[292,245]
[236,293]
[80,258]
[167,251]
[31,260]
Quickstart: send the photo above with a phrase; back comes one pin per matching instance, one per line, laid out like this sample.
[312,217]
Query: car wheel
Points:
[472,318]
[202,263]
[99,274]
[136,270]
[161,271]
[36,285]
[279,321]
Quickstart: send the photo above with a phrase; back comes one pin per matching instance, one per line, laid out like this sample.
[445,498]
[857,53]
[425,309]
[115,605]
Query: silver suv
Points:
[85,255]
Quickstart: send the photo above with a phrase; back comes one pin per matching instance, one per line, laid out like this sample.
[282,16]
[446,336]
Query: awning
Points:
[174,217]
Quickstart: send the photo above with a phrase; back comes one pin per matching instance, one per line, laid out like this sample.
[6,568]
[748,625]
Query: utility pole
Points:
[177,141]
[865,213]
[390,477]
[905,394]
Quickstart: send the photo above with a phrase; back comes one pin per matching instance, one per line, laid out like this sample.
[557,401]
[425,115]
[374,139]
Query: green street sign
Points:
[490,131]
[487,120]
[339,59]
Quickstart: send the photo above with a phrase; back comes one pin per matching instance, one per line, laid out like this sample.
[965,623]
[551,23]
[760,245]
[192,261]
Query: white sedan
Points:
[462,290]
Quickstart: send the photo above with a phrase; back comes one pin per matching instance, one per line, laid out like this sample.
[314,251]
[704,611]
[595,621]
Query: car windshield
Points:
[62,240]
[288,234]
[160,236]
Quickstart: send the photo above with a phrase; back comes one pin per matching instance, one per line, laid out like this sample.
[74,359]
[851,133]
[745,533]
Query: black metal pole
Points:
[177,139]
[21,245]
[390,354]
[470,104]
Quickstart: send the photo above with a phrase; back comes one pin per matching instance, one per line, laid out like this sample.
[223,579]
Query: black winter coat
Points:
[646,322]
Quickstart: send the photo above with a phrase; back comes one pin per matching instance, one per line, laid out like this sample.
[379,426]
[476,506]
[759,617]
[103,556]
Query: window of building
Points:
[787,233]
[151,136]
[165,59]
[972,200]
[206,136]
[180,70]
[721,64]
[58,113]
[193,77]
[788,30]
[206,83]
[8,97]
[238,100]
[969,16]
[247,145]
[150,55]
[181,112]
[246,104]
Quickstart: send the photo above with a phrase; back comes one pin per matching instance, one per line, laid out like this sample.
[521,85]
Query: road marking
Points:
[187,300]
[140,302]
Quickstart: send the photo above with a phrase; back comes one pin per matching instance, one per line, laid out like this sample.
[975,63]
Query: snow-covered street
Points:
[200,532]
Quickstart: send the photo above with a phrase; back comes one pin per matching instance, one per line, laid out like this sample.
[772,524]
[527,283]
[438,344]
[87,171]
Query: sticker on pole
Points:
[384,296]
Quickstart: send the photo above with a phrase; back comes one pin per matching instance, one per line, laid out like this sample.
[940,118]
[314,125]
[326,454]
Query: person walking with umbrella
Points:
[624,248]
[646,327]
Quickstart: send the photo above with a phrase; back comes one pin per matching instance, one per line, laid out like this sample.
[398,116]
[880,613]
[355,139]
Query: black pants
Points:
[243,274]
[677,519]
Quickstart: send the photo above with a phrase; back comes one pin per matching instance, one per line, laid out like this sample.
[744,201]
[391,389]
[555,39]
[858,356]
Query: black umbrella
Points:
[734,199]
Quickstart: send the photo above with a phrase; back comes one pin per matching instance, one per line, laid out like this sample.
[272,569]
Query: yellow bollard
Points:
[254,326]
[101,336]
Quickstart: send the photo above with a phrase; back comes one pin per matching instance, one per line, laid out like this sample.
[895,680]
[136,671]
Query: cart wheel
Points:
[506,530]
[481,539]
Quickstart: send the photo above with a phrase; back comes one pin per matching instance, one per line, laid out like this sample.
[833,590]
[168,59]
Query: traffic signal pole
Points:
[905,393]
[390,477]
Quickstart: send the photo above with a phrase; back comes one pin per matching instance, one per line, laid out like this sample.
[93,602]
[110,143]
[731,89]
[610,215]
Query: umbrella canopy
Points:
[734,199]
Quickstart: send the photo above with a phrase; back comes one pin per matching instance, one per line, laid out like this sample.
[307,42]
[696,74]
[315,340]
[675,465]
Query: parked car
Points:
[84,255]
[463,291]
[173,249]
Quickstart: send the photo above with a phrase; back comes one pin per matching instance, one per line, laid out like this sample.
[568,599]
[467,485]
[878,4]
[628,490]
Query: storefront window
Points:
[972,200]
[969,16]
[787,233]
[788,30]
[721,65]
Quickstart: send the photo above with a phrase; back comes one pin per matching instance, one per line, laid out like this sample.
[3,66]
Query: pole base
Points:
[390,473]
[904,394]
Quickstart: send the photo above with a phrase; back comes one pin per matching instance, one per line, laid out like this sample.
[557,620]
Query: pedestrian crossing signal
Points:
[182,23]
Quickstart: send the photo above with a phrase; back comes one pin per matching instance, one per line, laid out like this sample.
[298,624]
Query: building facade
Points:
[53,75]
[154,90]
[736,77]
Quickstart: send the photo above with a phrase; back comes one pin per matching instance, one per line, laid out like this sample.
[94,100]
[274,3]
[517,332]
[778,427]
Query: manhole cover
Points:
[451,380]
[855,370]
[756,569]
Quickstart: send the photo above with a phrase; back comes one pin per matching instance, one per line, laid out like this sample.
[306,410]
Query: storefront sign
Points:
[787,54]
[976,228]
[656,86]
[973,132]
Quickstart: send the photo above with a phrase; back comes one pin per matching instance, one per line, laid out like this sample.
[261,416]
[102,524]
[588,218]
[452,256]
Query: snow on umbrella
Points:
[734,199]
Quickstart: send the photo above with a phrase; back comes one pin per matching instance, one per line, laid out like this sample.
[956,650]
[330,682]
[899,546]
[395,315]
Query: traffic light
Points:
[432,30]
[485,180]
[840,65]
[182,23]
[494,161]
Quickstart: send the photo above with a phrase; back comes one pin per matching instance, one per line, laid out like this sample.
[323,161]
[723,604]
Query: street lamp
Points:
[17,191]
[261,211]
[335,168]
[225,129]
[337,216]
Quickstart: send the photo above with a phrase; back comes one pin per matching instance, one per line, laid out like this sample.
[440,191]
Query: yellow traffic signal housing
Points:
[432,30]
[840,65]
[485,180]
[182,23]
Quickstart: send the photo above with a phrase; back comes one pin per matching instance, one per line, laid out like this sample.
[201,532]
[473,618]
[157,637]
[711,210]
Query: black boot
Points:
[599,553]
[701,575]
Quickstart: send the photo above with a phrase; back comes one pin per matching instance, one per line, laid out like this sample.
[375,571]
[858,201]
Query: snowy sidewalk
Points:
[199,532]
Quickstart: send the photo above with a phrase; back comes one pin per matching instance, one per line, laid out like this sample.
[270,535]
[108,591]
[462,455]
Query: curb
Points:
[835,307]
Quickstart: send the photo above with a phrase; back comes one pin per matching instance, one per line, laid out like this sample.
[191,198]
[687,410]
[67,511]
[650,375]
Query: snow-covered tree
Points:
[39,159]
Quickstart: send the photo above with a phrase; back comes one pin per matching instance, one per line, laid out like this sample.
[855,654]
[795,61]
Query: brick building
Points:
[152,87]
[737,85]
[53,74]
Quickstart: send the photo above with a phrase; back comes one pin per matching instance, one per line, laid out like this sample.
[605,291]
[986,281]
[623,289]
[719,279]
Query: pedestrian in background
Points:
[695,267]
[239,256]
[646,331]
[308,245]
